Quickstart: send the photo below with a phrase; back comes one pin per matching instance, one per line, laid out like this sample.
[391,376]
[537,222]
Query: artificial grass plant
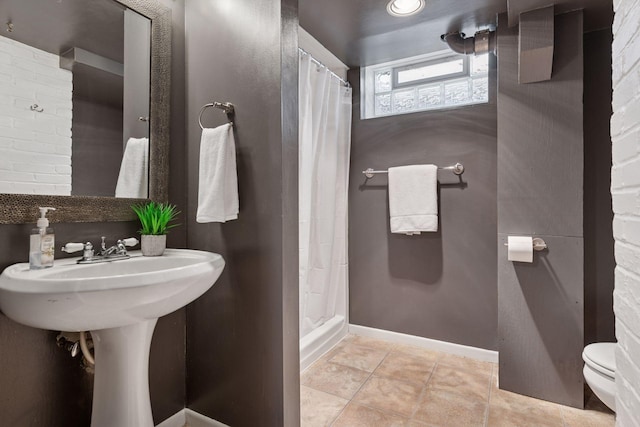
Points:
[155,217]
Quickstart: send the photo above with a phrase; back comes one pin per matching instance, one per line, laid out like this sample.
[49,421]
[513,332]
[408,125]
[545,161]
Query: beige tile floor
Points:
[363,382]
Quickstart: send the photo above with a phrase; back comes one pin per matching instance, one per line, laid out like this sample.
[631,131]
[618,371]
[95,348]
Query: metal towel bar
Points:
[457,169]
[227,107]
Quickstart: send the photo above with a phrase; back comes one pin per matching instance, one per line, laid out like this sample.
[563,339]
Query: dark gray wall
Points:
[167,362]
[96,152]
[40,384]
[437,285]
[242,364]
[137,69]
[540,192]
[599,261]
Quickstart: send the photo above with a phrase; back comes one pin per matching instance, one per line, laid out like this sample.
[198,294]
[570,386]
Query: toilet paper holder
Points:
[538,244]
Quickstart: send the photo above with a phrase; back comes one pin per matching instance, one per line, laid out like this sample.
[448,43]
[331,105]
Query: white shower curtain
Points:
[324,145]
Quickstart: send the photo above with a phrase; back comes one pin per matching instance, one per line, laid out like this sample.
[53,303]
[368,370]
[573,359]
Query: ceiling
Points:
[55,26]
[360,32]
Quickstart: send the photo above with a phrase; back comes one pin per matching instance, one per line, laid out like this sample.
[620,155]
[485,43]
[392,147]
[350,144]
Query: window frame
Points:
[466,70]
[368,94]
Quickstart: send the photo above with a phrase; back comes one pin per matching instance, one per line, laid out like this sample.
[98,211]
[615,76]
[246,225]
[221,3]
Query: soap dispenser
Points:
[42,242]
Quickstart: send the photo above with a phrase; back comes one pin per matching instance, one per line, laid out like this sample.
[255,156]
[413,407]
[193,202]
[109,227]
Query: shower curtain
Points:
[324,145]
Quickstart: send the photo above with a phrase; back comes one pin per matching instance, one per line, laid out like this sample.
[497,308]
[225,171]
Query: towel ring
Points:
[227,107]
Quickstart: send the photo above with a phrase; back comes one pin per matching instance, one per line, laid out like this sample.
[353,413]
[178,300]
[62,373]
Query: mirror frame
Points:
[23,208]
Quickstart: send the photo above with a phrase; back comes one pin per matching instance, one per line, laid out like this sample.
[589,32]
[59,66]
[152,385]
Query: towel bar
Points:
[228,108]
[457,169]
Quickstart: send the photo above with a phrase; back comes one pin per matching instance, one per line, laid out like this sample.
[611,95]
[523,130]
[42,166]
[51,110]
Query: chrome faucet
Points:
[113,253]
[118,249]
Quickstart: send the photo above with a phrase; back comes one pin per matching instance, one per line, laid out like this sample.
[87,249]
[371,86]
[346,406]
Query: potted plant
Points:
[155,218]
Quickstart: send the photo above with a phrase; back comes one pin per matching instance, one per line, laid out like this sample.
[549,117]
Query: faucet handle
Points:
[88,251]
[131,241]
[72,247]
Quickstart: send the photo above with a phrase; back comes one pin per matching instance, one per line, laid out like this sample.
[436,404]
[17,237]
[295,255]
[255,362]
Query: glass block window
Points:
[428,82]
[383,82]
[404,101]
[383,104]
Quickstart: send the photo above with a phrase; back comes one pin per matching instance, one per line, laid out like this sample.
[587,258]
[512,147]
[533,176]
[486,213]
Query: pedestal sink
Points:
[119,302]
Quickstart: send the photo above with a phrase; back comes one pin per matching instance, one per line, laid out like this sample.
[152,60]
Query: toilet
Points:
[599,371]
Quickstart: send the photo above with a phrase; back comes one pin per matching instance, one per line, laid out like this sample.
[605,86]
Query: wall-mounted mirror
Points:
[84,111]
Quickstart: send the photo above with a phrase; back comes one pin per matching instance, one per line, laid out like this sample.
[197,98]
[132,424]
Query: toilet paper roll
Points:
[520,248]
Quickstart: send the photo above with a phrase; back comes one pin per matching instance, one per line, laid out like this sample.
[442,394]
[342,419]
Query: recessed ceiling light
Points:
[404,7]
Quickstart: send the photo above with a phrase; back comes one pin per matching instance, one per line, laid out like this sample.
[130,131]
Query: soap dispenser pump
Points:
[42,242]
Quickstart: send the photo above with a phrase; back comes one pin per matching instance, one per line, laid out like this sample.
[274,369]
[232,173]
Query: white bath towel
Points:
[413,199]
[218,183]
[133,180]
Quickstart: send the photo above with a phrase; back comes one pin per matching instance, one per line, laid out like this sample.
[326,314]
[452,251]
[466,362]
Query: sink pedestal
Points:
[121,387]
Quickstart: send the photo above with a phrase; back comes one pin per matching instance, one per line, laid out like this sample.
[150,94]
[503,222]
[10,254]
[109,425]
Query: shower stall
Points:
[324,146]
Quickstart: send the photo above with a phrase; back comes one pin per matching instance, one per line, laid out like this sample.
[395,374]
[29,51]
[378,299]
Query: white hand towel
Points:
[133,180]
[218,183]
[413,199]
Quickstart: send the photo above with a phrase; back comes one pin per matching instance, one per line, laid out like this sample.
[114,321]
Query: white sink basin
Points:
[119,302]
[74,297]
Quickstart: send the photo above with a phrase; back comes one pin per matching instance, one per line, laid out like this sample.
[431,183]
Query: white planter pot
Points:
[153,245]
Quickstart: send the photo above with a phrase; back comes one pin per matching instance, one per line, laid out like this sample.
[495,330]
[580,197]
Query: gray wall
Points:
[97,146]
[167,363]
[40,384]
[599,260]
[540,192]
[97,111]
[242,364]
[437,285]
[137,69]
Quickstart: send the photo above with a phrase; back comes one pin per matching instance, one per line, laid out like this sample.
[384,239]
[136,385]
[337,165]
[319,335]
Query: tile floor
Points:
[372,383]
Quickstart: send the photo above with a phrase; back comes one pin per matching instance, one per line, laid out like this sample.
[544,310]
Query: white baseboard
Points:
[323,339]
[430,344]
[189,418]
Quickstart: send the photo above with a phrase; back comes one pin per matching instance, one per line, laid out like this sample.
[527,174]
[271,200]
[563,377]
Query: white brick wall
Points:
[35,148]
[625,188]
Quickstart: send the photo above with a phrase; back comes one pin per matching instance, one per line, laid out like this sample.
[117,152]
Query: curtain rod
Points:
[346,83]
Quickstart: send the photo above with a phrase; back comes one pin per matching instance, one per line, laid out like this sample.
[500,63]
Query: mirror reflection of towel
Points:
[133,180]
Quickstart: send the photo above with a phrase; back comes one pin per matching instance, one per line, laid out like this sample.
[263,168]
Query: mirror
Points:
[84,117]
